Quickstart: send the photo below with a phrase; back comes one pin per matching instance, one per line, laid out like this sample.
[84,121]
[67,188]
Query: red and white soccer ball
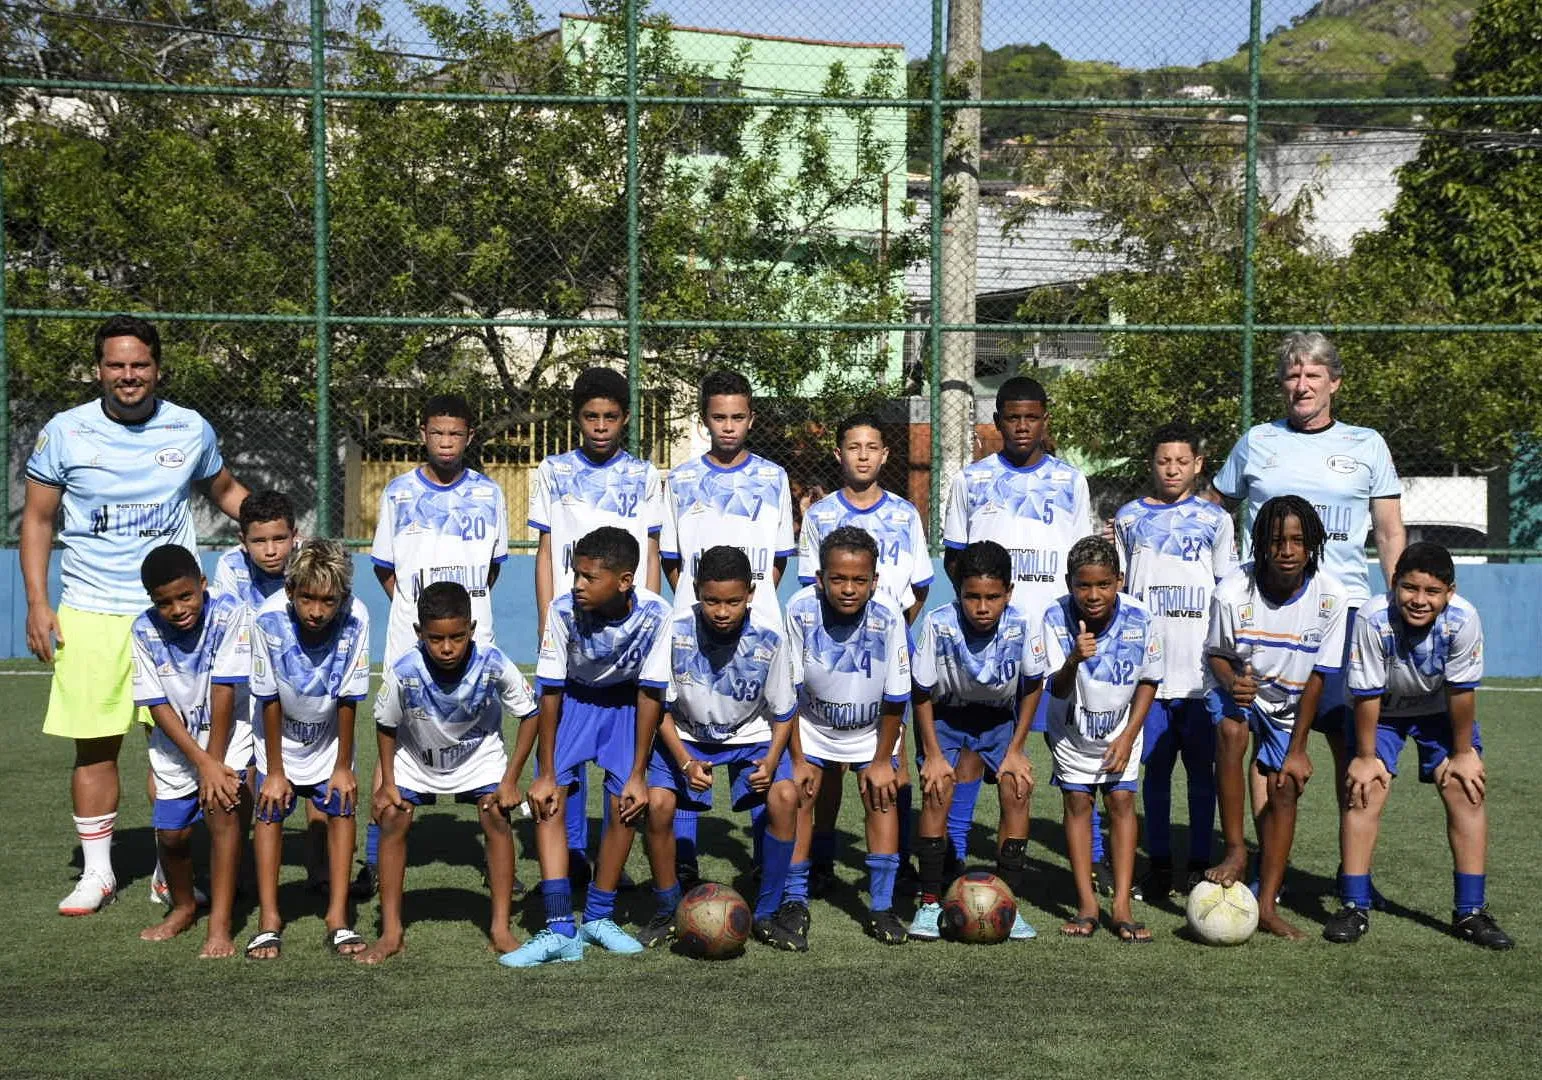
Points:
[979,907]
[712,923]
[1222,914]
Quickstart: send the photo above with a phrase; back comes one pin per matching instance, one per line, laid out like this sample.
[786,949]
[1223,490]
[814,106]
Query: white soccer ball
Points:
[1222,914]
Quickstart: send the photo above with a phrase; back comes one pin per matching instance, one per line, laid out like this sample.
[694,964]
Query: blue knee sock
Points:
[667,899]
[1469,891]
[902,805]
[1355,889]
[881,872]
[372,844]
[796,889]
[685,836]
[961,816]
[822,849]
[557,898]
[577,819]
[598,904]
[773,875]
[1097,833]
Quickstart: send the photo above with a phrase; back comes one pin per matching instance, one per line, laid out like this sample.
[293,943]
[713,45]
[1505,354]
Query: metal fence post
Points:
[5,385]
[934,317]
[322,226]
[1250,211]
[633,250]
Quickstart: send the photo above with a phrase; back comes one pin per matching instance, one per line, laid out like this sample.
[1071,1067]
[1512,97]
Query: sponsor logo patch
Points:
[170,458]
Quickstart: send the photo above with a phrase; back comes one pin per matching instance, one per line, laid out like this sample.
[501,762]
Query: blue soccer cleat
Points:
[1022,929]
[547,947]
[610,937]
[926,926]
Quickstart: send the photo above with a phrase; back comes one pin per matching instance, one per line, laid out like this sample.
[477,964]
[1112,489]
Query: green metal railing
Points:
[323,320]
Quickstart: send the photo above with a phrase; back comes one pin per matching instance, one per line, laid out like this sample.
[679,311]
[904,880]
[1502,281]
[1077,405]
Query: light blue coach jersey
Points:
[236,575]
[308,682]
[1173,555]
[1411,670]
[125,490]
[962,668]
[449,736]
[579,647]
[179,669]
[1339,470]
[572,496]
[844,672]
[727,689]
[1036,512]
[904,564]
[748,507]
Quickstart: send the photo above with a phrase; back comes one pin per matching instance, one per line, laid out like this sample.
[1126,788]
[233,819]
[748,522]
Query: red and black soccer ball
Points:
[979,908]
[712,923]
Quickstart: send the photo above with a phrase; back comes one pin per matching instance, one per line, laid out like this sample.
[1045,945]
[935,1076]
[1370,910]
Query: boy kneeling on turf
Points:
[310,670]
[191,653]
[851,663]
[1104,650]
[977,677]
[1416,662]
[731,702]
[439,724]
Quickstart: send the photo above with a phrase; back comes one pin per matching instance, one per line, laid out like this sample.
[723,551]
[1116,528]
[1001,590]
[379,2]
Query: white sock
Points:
[96,843]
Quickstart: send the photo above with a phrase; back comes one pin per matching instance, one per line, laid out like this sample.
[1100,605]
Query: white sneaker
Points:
[160,892]
[91,893]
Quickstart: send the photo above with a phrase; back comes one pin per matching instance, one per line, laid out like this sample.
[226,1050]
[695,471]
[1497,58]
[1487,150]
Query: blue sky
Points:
[1134,33]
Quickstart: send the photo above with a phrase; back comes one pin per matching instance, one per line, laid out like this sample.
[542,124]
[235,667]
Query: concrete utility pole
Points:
[960,242]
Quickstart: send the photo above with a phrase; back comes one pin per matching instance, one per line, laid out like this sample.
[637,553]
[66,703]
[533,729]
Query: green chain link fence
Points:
[334,210]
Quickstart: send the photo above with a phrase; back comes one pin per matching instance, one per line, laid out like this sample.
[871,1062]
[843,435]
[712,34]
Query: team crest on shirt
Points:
[1245,615]
[1325,607]
[1154,649]
[1037,648]
[1341,463]
[41,444]
[170,458]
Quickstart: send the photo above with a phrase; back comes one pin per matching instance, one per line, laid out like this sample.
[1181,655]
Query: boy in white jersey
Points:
[1036,506]
[1413,670]
[601,688]
[1176,546]
[1103,651]
[904,578]
[851,663]
[576,493]
[440,522]
[310,670]
[977,680]
[731,703]
[1276,629]
[726,496]
[191,652]
[439,724]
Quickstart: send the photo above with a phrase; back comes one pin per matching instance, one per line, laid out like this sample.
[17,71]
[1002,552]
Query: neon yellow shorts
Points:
[92,696]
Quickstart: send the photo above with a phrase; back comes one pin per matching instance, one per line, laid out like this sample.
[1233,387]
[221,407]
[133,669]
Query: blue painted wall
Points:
[1506,597]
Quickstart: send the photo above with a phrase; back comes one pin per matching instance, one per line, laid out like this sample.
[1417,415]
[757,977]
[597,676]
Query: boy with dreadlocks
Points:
[1276,630]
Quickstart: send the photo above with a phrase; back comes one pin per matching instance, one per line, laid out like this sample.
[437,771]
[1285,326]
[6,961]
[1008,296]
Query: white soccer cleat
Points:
[91,893]
[160,892]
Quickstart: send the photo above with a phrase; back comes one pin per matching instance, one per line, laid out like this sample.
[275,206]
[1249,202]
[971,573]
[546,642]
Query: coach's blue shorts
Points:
[985,730]
[1175,722]
[740,759]
[1271,742]
[321,796]
[1431,735]
[428,798]
[598,724]
[1335,710]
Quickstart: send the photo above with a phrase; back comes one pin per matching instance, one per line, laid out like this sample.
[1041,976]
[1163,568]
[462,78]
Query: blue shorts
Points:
[421,798]
[986,731]
[1431,736]
[174,814]
[740,759]
[1270,741]
[1178,720]
[1092,789]
[598,724]
[1335,709]
[856,767]
[322,798]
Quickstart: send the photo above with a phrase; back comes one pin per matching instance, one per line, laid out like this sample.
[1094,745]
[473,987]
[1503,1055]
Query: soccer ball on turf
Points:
[980,908]
[1222,914]
[712,923]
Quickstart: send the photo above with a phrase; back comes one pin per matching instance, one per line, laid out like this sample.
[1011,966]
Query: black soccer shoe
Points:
[366,884]
[1159,880]
[1103,881]
[1480,928]
[793,914]
[778,935]
[659,932]
[1348,924]
[885,926]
